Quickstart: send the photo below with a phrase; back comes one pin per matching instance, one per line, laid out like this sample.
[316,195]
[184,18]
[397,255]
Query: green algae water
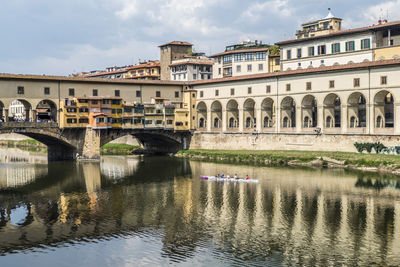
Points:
[156,211]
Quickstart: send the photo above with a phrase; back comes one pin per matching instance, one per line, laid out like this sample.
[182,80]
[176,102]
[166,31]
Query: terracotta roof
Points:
[144,66]
[177,43]
[98,97]
[105,73]
[343,32]
[192,62]
[7,76]
[241,51]
[142,76]
[301,71]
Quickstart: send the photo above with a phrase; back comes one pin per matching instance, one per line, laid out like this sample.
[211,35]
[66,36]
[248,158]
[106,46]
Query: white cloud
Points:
[256,11]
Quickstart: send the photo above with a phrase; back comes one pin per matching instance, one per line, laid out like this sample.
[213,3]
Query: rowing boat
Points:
[238,180]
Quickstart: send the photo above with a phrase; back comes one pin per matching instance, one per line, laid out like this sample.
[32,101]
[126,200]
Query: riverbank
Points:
[118,149]
[356,161]
[26,144]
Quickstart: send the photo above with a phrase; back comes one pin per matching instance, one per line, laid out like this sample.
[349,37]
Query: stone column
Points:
[241,122]
[278,116]
[34,115]
[320,117]
[259,120]
[344,118]
[27,114]
[224,119]
[299,119]
[369,119]
[396,118]
[91,145]
[209,121]
[6,114]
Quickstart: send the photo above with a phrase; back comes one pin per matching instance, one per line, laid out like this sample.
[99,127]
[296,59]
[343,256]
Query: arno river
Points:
[155,211]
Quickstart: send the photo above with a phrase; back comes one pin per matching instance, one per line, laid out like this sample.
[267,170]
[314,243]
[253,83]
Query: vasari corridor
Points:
[199,133]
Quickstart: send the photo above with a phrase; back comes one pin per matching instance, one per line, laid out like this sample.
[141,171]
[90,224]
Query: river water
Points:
[155,211]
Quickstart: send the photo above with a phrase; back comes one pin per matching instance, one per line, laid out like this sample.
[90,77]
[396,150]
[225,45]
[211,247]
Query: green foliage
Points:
[378,147]
[274,50]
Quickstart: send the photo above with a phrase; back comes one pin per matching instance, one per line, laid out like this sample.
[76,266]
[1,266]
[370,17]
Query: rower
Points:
[235,176]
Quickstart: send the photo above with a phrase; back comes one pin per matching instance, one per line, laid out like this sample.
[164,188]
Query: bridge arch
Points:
[46,110]
[19,109]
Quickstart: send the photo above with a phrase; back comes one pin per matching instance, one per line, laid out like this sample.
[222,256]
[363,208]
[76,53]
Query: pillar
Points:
[278,115]
[320,117]
[344,118]
[259,120]
[6,114]
[369,120]
[209,121]
[34,115]
[27,114]
[90,147]
[224,119]
[241,122]
[396,117]
[299,118]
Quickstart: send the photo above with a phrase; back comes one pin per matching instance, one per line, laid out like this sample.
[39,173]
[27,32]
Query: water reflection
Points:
[292,217]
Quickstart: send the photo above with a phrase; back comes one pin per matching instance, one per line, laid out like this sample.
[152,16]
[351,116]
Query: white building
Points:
[324,43]
[191,69]
[17,110]
[242,59]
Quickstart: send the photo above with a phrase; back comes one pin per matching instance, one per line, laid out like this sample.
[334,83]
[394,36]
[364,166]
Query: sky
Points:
[61,37]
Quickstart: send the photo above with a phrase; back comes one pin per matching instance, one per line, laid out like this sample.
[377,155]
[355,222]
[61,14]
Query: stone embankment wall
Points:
[308,142]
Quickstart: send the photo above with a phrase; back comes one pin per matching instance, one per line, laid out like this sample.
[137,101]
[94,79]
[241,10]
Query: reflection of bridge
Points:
[70,143]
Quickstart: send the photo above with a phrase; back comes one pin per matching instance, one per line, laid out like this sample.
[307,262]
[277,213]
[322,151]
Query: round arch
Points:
[19,110]
[268,115]
[201,115]
[288,112]
[384,109]
[357,112]
[249,113]
[46,111]
[216,115]
[332,111]
[309,110]
[232,113]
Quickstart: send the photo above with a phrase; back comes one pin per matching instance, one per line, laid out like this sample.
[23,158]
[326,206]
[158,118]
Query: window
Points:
[335,48]
[95,92]
[331,84]
[116,93]
[288,54]
[311,51]
[83,110]
[350,46]
[176,94]
[238,68]
[219,71]
[227,59]
[249,90]
[219,60]
[138,93]
[20,90]
[232,91]
[249,56]
[194,76]
[174,77]
[202,76]
[383,80]
[260,56]
[216,92]
[308,86]
[84,120]
[365,44]
[356,82]
[321,49]
[268,89]
[201,94]
[47,90]
[277,61]
[158,93]
[298,52]
[249,67]
[71,92]
[238,57]
[115,102]
[194,67]
[260,66]
[288,87]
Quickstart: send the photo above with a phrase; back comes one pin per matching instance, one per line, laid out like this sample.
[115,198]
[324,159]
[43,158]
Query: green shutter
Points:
[369,43]
[333,49]
[362,44]
[347,46]
[338,48]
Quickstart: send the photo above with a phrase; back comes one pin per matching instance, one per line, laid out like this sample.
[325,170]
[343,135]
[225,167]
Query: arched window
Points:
[379,122]
[329,123]
[353,122]
[286,123]
[248,122]
[232,123]
[216,123]
[306,122]
[201,123]
[266,122]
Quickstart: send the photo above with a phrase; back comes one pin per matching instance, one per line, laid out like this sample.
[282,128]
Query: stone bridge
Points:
[85,143]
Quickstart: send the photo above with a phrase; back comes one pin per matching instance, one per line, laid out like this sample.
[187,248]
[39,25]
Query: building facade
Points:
[247,58]
[191,69]
[324,43]
[172,51]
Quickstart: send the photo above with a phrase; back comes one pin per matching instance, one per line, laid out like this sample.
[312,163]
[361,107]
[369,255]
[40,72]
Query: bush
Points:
[378,147]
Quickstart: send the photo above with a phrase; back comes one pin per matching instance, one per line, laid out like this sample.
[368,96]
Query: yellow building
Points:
[185,116]
[149,70]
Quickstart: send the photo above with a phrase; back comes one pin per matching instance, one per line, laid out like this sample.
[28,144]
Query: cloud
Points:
[255,12]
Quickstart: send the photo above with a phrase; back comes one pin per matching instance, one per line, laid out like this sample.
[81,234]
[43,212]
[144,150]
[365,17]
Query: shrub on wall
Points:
[378,147]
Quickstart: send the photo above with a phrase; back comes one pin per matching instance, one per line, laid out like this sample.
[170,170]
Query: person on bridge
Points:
[247,177]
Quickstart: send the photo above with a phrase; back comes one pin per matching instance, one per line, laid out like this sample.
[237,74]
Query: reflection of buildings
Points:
[305,217]
[117,167]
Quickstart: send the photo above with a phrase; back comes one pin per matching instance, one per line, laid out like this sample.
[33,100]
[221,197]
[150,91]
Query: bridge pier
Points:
[89,148]
[59,153]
